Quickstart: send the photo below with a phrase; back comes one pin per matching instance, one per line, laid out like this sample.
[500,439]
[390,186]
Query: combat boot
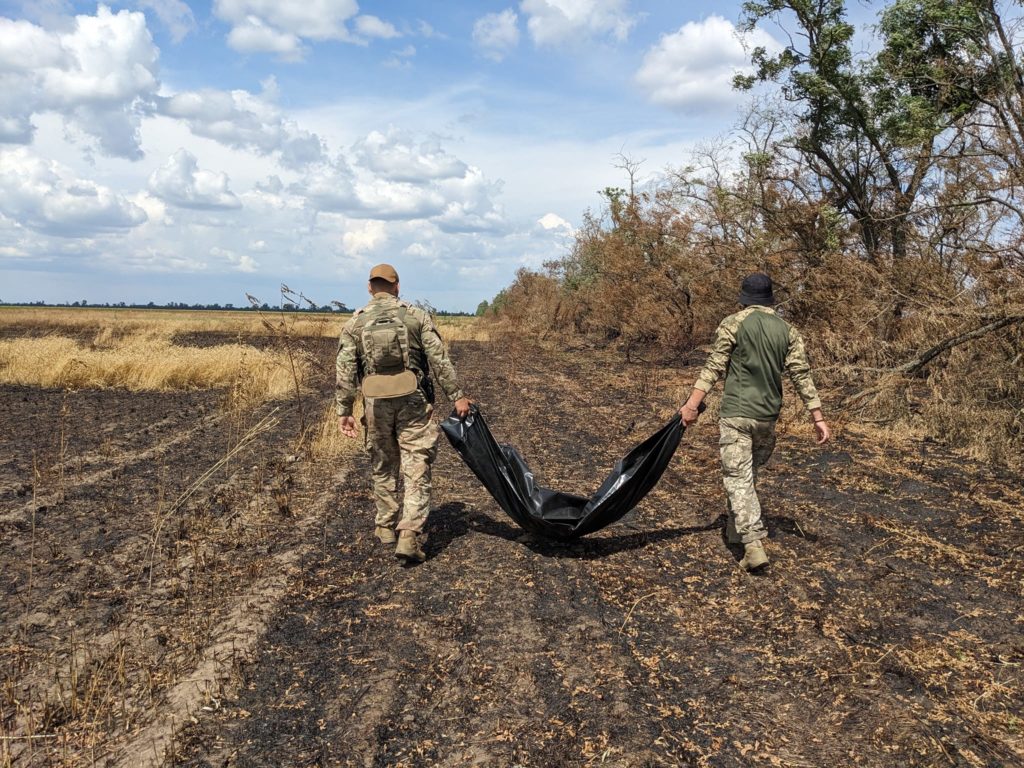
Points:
[755,556]
[385,535]
[409,547]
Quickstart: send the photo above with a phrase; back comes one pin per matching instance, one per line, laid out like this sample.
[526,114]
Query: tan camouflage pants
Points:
[745,444]
[401,437]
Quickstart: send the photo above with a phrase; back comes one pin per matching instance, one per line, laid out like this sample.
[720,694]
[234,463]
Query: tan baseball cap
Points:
[384,272]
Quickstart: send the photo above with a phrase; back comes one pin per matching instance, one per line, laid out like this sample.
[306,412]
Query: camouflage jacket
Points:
[426,351]
[752,348]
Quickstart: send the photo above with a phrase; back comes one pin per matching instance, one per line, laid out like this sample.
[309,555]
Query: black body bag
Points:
[556,515]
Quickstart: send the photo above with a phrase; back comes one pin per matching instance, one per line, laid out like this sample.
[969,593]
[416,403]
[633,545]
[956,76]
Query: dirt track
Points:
[888,630]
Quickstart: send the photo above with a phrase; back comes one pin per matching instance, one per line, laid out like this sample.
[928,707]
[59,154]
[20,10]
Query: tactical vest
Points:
[383,338]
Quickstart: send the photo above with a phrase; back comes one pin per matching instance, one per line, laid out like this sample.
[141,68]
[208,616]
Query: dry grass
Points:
[85,348]
[173,322]
[144,362]
[328,443]
[165,322]
[463,329]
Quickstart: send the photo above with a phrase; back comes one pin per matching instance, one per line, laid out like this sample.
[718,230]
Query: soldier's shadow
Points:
[444,525]
[450,521]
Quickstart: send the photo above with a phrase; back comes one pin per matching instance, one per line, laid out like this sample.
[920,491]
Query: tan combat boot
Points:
[385,535]
[755,556]
[409,547]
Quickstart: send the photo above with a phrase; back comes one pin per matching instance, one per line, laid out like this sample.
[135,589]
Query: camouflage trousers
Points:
[745,444]
[401,438]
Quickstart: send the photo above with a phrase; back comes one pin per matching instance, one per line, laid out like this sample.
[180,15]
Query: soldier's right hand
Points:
[462,407]
[347,425]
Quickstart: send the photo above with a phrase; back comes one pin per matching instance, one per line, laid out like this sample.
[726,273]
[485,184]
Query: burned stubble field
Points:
[186,586]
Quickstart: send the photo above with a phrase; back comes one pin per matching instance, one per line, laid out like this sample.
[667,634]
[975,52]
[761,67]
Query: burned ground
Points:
[887,630]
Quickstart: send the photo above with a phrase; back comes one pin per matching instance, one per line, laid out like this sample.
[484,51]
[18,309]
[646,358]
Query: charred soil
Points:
[886,631]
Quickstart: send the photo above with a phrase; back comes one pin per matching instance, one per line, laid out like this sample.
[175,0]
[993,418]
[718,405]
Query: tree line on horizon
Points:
[286,306]
[283,307]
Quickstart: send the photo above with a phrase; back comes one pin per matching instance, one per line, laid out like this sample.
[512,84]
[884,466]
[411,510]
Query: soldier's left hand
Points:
[462,407]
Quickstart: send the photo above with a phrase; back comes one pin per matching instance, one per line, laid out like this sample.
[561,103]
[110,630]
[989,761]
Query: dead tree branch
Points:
[911,367]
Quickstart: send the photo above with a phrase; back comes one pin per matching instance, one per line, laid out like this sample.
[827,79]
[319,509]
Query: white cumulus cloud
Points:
[394,177]
[363,237]
[555,22]
[396,156]
[379,198]
[497,34]
[255,35]
[239,262]
[328,187]
[282,26]
[371,26]
[100,74]
[181,182]
[471,204]
[694,66]
[246,121]
[550,221]
[173,14]
[45,197]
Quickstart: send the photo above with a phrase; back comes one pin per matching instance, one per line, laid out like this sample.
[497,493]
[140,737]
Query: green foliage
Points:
[869,126]
[499,302]
[925,77]
[581,267]
[617,201]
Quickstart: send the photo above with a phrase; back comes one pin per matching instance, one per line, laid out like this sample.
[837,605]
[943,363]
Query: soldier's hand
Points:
[689,415]
[824,433]
[347,425]
[462,407]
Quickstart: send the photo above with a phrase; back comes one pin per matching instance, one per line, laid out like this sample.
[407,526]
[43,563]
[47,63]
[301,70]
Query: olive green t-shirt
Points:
[752,348]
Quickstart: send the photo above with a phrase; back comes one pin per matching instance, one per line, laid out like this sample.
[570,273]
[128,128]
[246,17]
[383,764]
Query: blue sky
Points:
[163,150]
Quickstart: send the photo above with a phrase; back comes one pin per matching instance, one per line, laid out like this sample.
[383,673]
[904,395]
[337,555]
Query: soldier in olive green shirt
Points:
[752,349]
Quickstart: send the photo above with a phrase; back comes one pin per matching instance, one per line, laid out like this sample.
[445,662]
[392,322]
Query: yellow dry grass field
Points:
[165,322]
[142,350]
[173,322]
[141,363]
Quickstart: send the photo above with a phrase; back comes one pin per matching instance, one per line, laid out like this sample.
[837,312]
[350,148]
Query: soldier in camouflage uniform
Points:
[388,349]
[752,349]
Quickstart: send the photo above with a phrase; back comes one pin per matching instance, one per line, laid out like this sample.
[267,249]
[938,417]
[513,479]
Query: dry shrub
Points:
[144,363]
[654,275]
[976,399]
[530,306]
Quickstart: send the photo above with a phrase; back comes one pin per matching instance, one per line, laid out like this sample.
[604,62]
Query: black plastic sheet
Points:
[554,514]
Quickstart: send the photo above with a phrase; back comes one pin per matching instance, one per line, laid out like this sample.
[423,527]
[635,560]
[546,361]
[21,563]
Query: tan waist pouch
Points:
[394,385]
